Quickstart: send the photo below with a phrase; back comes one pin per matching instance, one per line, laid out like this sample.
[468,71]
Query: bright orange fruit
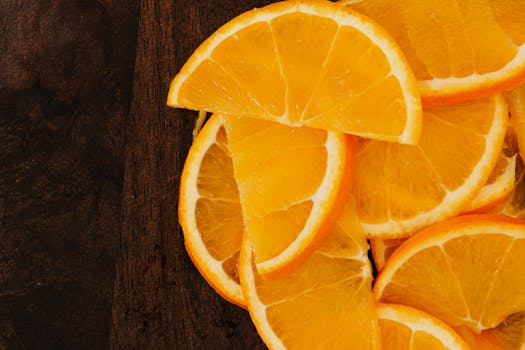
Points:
[311,62]
[406,328]
[465,271]
[458,51]
[403,188]
[210,212]
[326,303]
[293,183]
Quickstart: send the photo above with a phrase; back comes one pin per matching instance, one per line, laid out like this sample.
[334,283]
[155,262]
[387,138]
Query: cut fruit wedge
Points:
[406,328]
[293,184]
[324,304]
[458,51]
[210,211]
[289,62]
[403,188]
[466,271]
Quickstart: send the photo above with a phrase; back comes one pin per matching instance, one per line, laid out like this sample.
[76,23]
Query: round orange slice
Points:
[497,188]
[293,183]
[403,188]
[405,328]
[468,272]
[326,303]
[305,63]
[458,51]
[210,211]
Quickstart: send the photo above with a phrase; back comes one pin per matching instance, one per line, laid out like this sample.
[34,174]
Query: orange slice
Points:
[293,183]
[499,185]
[402,188]
[458,51]
[324,304]
[466,271]
[405,328]
[210,212]
[312,63]
[382,249]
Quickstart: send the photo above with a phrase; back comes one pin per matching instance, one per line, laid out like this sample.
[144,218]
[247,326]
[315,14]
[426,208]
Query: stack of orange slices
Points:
[338,124]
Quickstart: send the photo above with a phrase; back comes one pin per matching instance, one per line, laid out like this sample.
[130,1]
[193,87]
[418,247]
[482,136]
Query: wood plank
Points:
[160,300]
[66,72]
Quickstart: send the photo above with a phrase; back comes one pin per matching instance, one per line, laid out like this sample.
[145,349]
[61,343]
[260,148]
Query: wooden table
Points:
[91,253]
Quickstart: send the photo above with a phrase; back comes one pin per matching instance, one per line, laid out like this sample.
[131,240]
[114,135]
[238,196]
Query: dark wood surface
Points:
[91,253]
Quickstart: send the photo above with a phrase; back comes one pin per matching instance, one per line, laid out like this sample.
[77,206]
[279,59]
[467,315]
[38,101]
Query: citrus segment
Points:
[465,271]
[290,62]
[458,51]
[326,303]
[293,182]
[402,188]
[210,212]
[405,328]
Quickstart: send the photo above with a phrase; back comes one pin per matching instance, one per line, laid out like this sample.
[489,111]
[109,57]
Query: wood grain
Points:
[92,255]
[66,72]
[160,300]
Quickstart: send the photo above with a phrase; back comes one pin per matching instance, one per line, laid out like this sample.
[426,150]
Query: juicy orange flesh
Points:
[443,39]
[399,181]
[218,211]
[508,335]
[423,340]
[397,336]
[343,92]
[307,308]
[390,248]
[292,49]
[230,266]
[211,88]
[278,169]
[496,188]
[289,222]
[498,170]
[509,15]
[463,289]
[304,69]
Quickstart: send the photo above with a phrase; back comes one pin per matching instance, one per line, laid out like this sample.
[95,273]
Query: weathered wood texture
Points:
[161,301]
[91,253]
[66,69]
